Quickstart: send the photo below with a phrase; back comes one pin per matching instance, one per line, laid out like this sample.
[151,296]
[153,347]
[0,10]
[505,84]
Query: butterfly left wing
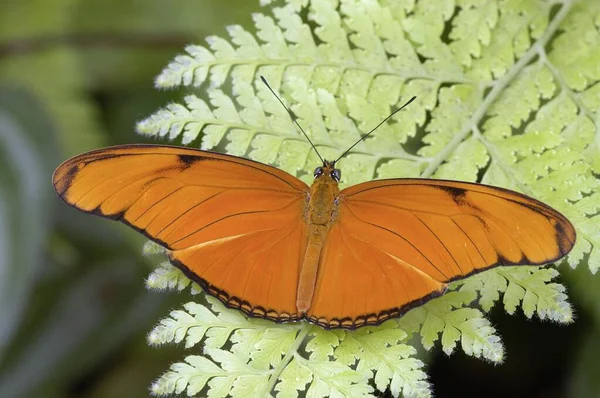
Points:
[396,244]
[233,225]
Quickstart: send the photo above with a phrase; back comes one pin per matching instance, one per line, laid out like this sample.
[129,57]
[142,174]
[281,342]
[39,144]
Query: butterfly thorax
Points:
[322,205]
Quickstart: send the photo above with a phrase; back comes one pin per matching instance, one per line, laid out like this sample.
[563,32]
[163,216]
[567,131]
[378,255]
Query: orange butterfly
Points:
[264,242]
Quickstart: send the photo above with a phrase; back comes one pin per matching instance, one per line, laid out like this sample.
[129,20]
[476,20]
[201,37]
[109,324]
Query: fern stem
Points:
[501,164]
[575,97]
[253,131]
[564,86]
[343,67]
[287,358]
[497,90]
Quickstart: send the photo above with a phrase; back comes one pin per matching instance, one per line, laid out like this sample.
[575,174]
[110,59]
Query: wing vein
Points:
[400,207]
[498,252]
[215,159]
[401,237]
[419,272]
[230,216]
[155,203]
[503,225]
[470,240]
[187,211]
[102,182]
[348,247]
[441,242]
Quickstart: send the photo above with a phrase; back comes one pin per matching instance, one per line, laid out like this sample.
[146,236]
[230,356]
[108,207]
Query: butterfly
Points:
[266,243]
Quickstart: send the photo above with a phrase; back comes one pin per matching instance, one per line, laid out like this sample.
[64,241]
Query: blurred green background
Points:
[76,75]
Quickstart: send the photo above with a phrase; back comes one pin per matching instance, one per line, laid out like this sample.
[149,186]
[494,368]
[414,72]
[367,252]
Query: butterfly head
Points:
[328,170]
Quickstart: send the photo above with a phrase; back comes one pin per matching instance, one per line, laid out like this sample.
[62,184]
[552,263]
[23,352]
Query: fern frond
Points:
[508,95]
[167,277]
[446,316]
[151,249]
[379,353]
[527,287]
[233,376]
[274,356]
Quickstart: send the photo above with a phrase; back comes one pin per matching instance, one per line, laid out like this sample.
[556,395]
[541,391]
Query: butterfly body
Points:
[321,214]
[264,242]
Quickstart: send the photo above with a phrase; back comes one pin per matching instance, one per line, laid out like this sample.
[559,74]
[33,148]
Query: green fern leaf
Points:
[179,378]
[151,248]
[381,356]
[527,287]
[167,277]
[474,16]
[294,378]
[446,316]
[507,95]
[332,379]
[323,343]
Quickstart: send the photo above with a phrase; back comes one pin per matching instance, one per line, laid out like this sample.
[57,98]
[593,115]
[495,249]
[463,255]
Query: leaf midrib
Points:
[497,90]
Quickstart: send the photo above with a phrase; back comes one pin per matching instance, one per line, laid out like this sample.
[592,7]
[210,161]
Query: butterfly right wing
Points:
[397,243]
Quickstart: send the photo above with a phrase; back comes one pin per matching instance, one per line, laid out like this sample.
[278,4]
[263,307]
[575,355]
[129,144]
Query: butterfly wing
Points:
[397,243]
[233,225]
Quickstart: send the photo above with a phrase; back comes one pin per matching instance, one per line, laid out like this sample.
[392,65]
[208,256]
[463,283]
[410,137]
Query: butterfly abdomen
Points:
[322,208]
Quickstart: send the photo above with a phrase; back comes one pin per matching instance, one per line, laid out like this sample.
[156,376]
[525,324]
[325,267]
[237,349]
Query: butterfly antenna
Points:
[376,127]
[293,117]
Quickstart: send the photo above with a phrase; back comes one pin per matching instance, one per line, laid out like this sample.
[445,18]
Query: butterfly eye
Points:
[318,171]
[336,175]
